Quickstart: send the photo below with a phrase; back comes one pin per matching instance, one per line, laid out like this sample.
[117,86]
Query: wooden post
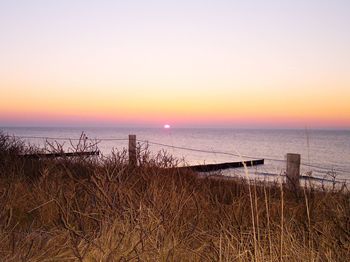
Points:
[293,170]
[132,151]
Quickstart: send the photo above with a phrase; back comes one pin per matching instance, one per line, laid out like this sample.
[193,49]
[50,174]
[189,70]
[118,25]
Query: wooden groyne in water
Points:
[221,166]
[61,154]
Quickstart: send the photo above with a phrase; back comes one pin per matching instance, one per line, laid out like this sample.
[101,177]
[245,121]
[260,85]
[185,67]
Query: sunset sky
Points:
[188,63]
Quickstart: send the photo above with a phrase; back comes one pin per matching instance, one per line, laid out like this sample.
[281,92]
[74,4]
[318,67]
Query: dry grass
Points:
[99,209]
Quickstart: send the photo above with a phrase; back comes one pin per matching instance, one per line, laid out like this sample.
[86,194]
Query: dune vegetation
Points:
[101,209]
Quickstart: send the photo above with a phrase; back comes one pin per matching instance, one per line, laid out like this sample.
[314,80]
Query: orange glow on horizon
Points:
[328,110]
[190,119]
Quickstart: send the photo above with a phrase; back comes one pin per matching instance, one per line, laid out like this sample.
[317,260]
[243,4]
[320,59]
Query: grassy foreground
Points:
[99,209]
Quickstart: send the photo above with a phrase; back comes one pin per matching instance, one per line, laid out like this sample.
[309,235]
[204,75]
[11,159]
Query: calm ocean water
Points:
[321,150]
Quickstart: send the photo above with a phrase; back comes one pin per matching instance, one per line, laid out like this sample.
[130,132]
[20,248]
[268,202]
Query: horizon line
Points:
[179,127]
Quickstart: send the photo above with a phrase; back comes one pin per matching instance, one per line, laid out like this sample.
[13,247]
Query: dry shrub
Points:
[100,209]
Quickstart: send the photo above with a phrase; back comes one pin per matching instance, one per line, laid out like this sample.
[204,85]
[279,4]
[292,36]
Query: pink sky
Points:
[219,64]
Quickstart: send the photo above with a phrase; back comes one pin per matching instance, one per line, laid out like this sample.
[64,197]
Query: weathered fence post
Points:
[132,151]
[293,170]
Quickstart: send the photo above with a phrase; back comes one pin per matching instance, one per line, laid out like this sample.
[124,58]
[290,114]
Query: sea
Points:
[325,154]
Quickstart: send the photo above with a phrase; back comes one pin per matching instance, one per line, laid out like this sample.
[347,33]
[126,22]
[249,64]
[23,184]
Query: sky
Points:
[187,63]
